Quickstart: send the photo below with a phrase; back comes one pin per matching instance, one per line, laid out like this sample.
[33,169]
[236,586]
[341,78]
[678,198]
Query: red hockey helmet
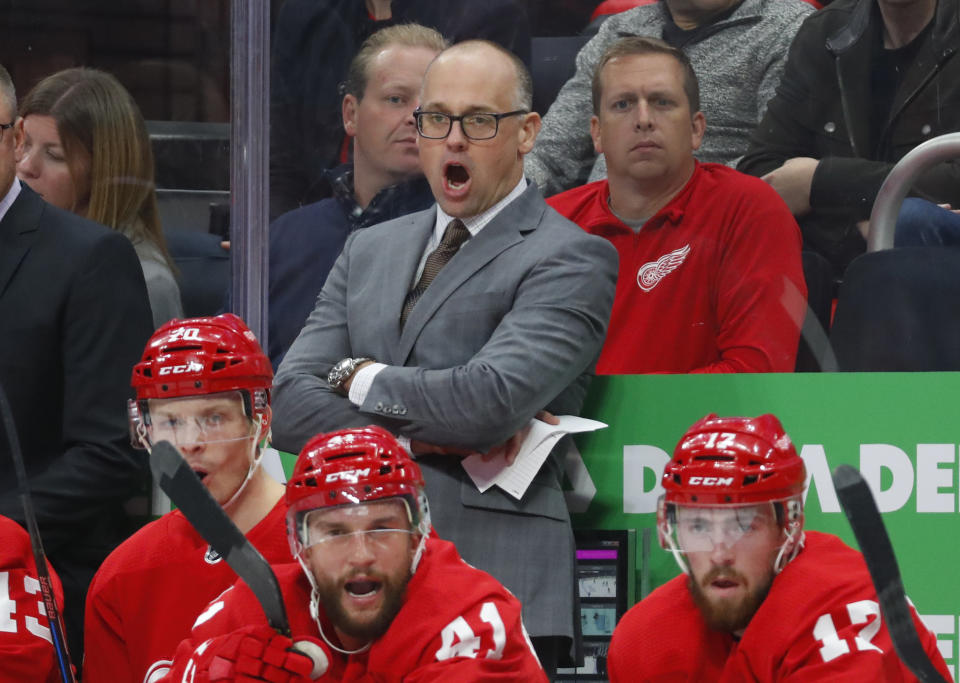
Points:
[196,357]
[349,467]
[734,461]
[739,463]
[201,356]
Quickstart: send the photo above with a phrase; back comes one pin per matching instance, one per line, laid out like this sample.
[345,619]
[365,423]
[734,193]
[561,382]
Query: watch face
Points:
[339,372]
[342,370]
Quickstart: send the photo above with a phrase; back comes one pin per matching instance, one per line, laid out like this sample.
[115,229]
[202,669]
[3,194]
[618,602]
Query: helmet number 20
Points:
[459,640]
[859,612]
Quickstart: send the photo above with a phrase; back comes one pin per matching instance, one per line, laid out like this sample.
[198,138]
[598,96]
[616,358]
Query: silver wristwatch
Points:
[343,371]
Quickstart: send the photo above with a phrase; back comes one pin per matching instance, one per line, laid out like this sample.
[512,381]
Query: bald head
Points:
[484,51]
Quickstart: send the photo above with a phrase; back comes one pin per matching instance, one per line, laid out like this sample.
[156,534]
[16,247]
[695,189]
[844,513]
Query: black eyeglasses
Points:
[436,125]
[3,127]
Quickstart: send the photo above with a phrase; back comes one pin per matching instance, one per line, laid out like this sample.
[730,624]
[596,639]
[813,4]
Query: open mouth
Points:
[724,583]
[362,588]
[456,175]
[201,474]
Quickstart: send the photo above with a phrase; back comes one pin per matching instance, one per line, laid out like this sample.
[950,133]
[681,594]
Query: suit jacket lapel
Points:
[501,233]
[18,231]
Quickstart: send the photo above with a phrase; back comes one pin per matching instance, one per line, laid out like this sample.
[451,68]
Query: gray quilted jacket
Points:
[738,65]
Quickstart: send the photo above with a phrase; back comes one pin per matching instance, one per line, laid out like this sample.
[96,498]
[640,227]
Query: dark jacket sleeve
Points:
[105,323]
[813,114]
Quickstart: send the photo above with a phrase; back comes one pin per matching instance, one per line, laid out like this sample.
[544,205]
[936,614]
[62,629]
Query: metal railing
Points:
[886,208]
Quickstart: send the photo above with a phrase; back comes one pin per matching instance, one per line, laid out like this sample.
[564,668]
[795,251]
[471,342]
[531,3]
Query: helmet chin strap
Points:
[424,528]
[315,611]
[789,550]
[793,529]
[667,535]
[256,455]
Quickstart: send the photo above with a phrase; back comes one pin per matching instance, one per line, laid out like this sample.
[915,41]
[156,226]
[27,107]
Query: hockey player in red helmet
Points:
[759,598]
[202,384]
[374,595]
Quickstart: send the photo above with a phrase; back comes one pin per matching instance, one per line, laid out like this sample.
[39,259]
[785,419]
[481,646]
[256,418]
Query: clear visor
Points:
[704,529]
[207,419]
[382,525]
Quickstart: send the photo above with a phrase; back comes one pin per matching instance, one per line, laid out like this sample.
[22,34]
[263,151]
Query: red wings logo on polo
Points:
[651,273]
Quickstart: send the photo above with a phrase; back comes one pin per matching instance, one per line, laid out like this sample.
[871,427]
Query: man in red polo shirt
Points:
[710,273]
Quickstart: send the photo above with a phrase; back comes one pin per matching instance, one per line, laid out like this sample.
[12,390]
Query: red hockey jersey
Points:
[457,624]
[712,283]
[26,646]
[148,592]
[819,622]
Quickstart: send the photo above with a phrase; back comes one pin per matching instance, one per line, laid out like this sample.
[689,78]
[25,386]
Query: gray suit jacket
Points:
[511,325]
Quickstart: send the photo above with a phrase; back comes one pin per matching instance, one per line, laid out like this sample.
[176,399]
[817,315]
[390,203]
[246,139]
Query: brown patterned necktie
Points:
[455,234]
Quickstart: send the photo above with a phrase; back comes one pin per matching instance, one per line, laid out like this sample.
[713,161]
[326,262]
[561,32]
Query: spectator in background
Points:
[85,148]
[75,317]
[467,352]
[866,81]
[383,182]
[313,44]
[26,649]
[738,48]
[710,272]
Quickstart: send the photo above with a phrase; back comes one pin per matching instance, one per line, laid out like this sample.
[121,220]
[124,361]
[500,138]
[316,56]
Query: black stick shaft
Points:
[192,498]
[867,524]
[39,556]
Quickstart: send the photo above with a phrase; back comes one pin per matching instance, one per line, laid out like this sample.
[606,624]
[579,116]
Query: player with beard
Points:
[759,598]
[375,596]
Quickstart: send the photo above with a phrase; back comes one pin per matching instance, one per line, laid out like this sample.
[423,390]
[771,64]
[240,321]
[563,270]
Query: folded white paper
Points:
[516,478]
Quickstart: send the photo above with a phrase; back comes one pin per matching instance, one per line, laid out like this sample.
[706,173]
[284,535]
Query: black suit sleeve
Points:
[105,323]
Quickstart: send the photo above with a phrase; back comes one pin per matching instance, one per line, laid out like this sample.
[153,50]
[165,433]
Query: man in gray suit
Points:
[511,323]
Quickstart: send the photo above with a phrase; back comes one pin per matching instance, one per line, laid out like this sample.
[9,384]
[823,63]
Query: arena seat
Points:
[204,270]
[552,63]
[899,309]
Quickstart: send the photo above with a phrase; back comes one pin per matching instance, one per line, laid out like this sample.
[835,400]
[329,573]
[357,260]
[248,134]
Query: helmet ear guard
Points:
[138,425]
[790,513]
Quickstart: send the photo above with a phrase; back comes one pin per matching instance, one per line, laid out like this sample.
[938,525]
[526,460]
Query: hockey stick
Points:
[58,639]
[180,483]
[865,520]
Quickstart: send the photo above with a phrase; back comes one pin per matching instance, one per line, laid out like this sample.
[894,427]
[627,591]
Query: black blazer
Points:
[74,318]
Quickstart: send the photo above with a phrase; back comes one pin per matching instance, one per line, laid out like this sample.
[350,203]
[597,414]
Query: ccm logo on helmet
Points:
[348,476]
[180,369]
[710,481]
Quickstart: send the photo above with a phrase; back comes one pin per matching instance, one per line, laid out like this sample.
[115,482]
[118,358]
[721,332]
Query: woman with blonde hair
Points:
[85,148]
